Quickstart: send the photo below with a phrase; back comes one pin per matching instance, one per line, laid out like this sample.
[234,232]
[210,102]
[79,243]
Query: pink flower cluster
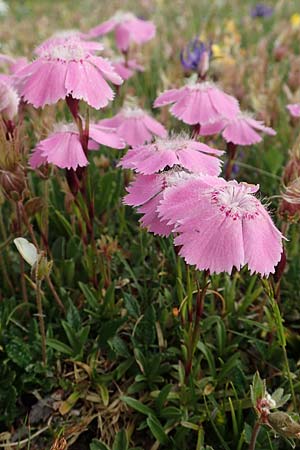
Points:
[204,104]
[217,224]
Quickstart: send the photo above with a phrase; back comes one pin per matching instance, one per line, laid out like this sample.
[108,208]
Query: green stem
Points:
[41,320]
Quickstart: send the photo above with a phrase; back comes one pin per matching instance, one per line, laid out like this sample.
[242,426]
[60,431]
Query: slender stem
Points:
[55,294]
[41,320]
[22,267]
[194,329]
[232,152]
[254,435]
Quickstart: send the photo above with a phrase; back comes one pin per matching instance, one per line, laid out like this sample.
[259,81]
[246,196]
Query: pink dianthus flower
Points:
[199,103]
[221,225]
[135,125]
[68,67]
[242,130]
[128,28]
[175,151]
[63,147]
[294,109]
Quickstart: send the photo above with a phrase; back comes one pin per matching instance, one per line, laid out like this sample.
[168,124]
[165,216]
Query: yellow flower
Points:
[217,52]
[295,20]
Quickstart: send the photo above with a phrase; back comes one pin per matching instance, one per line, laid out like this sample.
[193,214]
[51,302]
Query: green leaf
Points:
[63,221]
[121,441]
[59,346]
[98,445]
[157,430]
[257,389]
[162,396]
[137,405]
[209,357]
[19,352]
[132,306]
[89,295]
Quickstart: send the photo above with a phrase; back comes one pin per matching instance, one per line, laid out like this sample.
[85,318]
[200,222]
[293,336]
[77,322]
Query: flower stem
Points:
[194,328]
[232,152]
[41,320]
[254,435]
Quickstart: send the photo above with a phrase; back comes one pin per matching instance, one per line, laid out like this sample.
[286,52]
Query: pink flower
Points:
[9,100]
[63,147]
[294,109]
[127,70]
[14,64]
[135,125]
[128,28]
[241,130]
[68,67]
[222,225]
[177,151]
[199,103]
[146,192]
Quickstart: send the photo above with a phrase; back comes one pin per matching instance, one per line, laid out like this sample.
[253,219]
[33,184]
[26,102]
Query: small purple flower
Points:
[261,10]
[195,54]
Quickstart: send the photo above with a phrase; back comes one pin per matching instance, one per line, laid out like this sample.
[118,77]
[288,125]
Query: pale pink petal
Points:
[154,126]
[85,82]
[122,37]
[260,126]
[170,96]
[262,243]
[199,162]
[123,71]
[105,136]
[36,159]
[240,133]
[211,128]
[150,218]
[226,105]
[294,109]
[64,150]
[141,30]
[102,29]
[142,189]
[36,88]
[215,242]
[182,199]
[111,122]
[134,132]
[106,68]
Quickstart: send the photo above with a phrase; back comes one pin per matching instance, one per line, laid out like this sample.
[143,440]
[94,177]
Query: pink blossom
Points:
[63,147]
[13,63]
[9,100]
[199,103]
[242,130]
[146,192]
[135,125]
[294,109]
[127,70]
[128,28]
[177,151]
[222,225]
[68,67]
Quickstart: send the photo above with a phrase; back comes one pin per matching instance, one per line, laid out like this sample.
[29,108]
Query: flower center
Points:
[122,16]
[170,144]
[236,201]
[65,51]
[131,112]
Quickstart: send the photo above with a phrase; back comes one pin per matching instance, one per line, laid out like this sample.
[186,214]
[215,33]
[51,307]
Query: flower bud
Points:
[9,101]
